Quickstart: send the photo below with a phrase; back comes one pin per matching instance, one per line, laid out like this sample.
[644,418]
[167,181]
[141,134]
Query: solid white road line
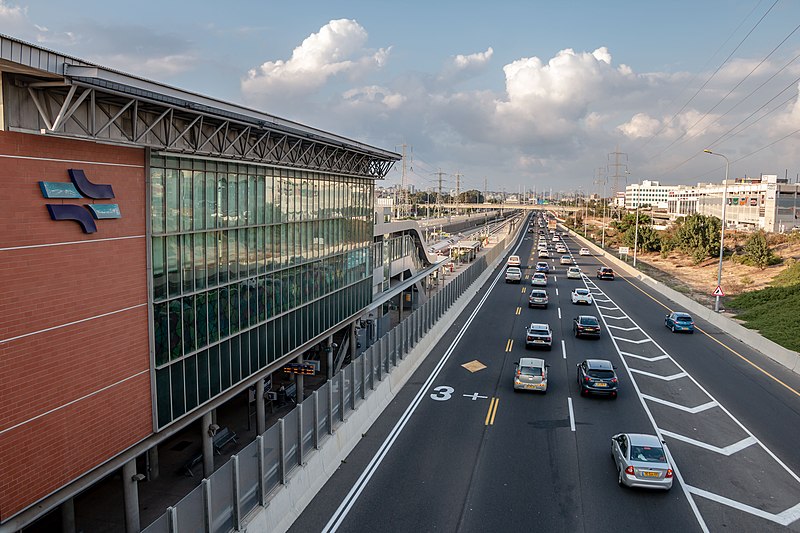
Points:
[349,500]
[571,414]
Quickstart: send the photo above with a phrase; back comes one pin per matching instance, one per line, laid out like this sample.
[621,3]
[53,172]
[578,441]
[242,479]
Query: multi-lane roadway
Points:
[458,450]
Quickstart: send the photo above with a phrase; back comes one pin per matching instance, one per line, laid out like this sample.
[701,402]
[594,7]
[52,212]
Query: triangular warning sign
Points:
[718,291]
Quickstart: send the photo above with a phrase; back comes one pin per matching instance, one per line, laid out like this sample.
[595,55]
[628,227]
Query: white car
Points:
[585,251]
[513,260]
[581,296]
[565,260]
[573,272]
[513,275]
[544,254]
[561,249]
[539,279]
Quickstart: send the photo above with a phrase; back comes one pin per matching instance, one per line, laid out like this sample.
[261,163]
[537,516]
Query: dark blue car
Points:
[679,322]
[542,266]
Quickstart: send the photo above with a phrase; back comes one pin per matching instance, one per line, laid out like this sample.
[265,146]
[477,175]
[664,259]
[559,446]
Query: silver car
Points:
[641,461]
[531,374]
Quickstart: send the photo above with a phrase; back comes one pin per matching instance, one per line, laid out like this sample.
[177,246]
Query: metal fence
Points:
[251,477]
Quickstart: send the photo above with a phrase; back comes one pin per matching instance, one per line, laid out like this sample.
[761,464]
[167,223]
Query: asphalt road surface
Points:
[459,450]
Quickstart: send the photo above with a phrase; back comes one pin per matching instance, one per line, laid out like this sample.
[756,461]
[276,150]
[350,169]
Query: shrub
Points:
[790,276]
[698,236]
[757,251]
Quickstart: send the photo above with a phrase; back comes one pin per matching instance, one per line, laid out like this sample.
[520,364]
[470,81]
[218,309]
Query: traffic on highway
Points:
[569,406]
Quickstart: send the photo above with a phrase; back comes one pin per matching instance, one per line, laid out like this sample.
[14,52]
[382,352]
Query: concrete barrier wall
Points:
[289,500]
[752,338]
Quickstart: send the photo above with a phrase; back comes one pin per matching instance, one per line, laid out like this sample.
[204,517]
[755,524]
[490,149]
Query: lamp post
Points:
[722,237]
[636,235]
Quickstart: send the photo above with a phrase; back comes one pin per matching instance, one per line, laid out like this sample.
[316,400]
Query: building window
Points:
[248,262]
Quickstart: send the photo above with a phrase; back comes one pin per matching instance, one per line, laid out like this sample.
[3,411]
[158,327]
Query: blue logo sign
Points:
[80,187]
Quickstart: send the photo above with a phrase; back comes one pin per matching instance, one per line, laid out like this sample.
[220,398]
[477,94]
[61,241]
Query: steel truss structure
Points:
[98,109]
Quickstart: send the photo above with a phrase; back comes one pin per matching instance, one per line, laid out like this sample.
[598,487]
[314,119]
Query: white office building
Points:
[650,193]
[768,202]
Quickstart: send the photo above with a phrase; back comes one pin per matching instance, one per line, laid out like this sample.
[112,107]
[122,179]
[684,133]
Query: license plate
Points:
[601,384]
[539,340]
[650,474]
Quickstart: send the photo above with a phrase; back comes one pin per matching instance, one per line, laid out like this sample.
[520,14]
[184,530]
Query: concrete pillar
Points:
[298,380]
[130,493]
[400,307]
[208,444]
[329,355]
[152,463]
[353,341]
[68,516]
[261,418]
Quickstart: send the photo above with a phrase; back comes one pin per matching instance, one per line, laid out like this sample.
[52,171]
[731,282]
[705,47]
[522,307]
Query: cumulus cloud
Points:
[375,94]
[338,48]
[478,59]
[639,126]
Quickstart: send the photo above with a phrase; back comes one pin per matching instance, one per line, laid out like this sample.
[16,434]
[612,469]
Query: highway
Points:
[458,450]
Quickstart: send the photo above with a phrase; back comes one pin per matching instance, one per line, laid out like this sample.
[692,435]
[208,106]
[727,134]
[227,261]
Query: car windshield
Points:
[589,321]
[648,454]
[601,374]
[530,371]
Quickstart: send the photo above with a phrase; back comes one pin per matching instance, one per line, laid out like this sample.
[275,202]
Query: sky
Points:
[520,95]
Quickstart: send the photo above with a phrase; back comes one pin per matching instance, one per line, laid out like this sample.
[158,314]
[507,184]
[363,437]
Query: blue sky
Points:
[521,93]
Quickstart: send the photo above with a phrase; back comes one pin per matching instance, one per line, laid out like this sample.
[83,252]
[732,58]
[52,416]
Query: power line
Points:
[685,133]
[691,81]
[666,124]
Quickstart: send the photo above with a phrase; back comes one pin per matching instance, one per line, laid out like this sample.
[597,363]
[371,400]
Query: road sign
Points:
[623,250]
[718,291]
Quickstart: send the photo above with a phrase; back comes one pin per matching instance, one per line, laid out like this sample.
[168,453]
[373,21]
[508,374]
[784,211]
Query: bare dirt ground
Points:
[699,281]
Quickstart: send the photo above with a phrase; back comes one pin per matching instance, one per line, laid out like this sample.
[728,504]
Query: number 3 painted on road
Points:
[443,393]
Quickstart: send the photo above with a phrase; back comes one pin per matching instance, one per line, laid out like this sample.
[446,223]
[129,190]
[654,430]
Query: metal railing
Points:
[251,477]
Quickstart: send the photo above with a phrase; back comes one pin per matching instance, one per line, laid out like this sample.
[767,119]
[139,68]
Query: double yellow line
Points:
[492,412]
[509,345]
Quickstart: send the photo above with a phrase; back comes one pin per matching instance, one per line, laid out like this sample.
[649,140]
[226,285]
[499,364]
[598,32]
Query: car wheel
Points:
[691,331]
[584,392]
[619,477]
[673,328]
[613,395]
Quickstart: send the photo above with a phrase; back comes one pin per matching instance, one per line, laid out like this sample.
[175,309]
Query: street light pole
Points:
[722,236]
[636,235]
[603,199]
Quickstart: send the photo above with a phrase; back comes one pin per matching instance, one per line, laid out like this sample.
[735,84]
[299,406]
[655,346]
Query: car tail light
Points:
[548,339]
[519,372]
[586,379]
[613,380]
[629,471]
[669,473]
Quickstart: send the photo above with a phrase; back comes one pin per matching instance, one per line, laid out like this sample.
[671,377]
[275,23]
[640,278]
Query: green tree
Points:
[698,236]
[648,240]
[757,251]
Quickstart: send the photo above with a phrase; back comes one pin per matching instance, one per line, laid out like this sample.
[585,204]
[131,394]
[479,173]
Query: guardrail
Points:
[788,358]
[254,476]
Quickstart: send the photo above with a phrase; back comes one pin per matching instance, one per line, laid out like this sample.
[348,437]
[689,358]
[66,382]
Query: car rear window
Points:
[540,331]
[530,371]
[538,294]
[582,292]
[648,454]
[589,321]
[683,319]
[601,374]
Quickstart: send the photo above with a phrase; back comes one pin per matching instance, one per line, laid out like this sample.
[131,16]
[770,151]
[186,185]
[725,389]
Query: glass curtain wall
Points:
[249,262]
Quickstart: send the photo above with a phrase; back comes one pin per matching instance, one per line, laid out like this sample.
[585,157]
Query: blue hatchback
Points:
[542,266]
[679,322]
